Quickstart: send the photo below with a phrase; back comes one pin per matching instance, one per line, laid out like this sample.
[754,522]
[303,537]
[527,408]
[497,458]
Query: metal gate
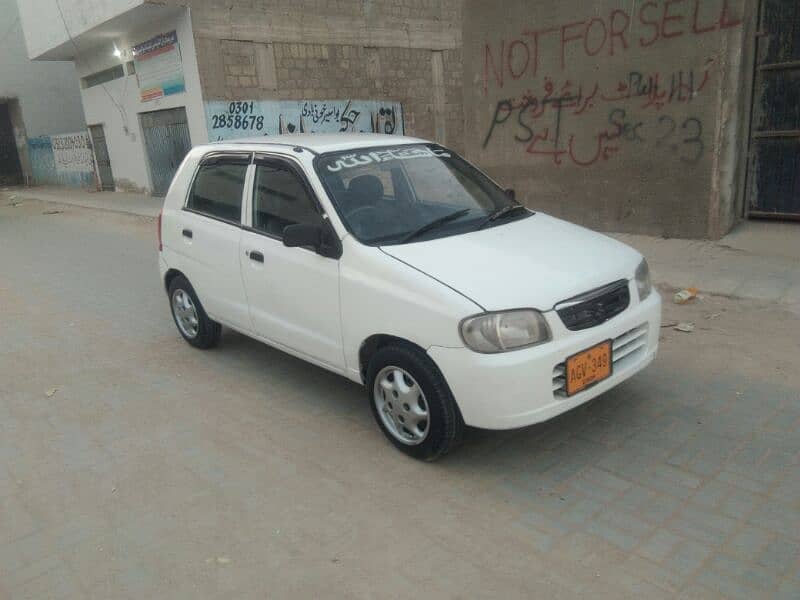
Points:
[774,170]
[166,141]
[101,157]
[10,167]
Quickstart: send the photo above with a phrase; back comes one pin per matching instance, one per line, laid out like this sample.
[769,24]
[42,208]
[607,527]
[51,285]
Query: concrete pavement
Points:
[758,260]
[133,466]
[123,202]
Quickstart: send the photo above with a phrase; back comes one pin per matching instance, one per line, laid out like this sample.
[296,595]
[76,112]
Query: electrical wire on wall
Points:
[122,113]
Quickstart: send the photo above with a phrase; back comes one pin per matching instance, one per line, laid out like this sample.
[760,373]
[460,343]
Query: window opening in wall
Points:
[103,76]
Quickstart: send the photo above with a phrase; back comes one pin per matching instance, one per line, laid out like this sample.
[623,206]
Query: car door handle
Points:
[256,256]
[187,233]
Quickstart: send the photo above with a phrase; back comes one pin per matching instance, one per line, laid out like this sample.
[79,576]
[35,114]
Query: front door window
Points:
[280,199]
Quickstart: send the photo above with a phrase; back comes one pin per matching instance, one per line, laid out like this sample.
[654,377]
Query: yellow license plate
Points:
[588,367]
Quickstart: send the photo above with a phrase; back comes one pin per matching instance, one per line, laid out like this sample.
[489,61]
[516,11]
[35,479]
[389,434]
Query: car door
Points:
[210,227]
[293,293]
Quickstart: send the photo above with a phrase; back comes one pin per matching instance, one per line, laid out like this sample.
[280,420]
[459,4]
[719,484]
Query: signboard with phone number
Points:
[247,118]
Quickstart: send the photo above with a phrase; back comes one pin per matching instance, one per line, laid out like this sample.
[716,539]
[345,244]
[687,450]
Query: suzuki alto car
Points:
[397,264]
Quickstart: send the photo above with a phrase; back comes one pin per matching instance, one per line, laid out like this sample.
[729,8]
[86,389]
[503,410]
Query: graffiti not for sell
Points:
[645,105]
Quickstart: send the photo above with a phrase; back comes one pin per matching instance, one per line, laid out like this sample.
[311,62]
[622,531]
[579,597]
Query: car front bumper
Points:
[519,388]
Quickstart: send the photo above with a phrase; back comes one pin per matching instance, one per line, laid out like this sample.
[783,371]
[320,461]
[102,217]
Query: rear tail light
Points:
[160,245]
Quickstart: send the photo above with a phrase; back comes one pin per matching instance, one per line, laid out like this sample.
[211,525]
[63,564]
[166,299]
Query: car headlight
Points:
[643,283]
[490,333]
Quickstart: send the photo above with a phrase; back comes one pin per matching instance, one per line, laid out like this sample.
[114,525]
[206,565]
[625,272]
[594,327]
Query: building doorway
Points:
[101,157]
[10,166]
[166,141]
[773,188]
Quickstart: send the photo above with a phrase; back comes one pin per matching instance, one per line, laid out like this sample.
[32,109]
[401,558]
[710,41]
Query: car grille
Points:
[595,307]
[626,349]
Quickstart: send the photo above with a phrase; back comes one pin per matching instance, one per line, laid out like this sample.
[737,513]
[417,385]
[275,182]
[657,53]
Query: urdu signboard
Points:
[158,67]
[247,118]
[72,153]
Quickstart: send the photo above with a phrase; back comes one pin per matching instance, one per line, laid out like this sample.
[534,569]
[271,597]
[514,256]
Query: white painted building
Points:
[100,38]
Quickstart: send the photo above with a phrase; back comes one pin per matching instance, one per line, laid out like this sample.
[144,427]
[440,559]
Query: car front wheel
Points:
[412,402]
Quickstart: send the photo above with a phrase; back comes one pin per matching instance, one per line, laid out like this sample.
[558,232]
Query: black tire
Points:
[445,425]
[208,331]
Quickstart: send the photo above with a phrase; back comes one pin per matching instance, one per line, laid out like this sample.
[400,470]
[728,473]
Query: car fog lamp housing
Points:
[491,333]
[643,283]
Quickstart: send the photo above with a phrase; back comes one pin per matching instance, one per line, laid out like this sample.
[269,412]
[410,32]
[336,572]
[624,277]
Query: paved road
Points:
[132,466]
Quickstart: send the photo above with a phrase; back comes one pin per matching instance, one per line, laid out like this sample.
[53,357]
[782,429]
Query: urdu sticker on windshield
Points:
[351,161]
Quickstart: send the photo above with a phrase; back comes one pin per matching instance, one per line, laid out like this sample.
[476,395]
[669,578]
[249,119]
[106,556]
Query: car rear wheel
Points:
[190,318]
[412,403]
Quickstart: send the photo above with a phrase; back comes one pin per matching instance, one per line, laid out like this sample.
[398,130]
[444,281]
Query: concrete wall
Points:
[116,105]
[624,115]
[397,51]
[45,29]
[48,92]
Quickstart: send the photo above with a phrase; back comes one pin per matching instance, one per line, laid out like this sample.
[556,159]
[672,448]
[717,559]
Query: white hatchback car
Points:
[397,264]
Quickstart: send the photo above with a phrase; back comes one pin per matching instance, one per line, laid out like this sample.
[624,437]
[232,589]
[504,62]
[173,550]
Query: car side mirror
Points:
[511,193]
[317,237]
[301,235]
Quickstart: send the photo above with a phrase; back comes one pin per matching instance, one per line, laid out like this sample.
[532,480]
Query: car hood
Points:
[531,263]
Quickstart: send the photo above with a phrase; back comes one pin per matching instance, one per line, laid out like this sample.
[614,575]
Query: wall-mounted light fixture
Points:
[117,52]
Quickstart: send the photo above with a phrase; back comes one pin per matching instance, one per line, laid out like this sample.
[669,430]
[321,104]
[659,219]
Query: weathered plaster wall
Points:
[396,51]
[622,115]
[735,100]
[47,91]
[43,97]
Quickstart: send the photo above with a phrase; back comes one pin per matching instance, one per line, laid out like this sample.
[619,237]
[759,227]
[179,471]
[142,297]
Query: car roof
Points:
[321,143]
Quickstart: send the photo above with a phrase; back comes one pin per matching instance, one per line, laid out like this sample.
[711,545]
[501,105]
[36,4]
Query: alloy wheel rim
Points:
[401,405]
[185,313]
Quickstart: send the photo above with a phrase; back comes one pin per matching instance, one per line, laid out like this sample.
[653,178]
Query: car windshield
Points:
[400,194]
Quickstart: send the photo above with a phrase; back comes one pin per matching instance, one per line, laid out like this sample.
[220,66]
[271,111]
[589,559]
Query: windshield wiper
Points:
[500,212]
[436,223]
